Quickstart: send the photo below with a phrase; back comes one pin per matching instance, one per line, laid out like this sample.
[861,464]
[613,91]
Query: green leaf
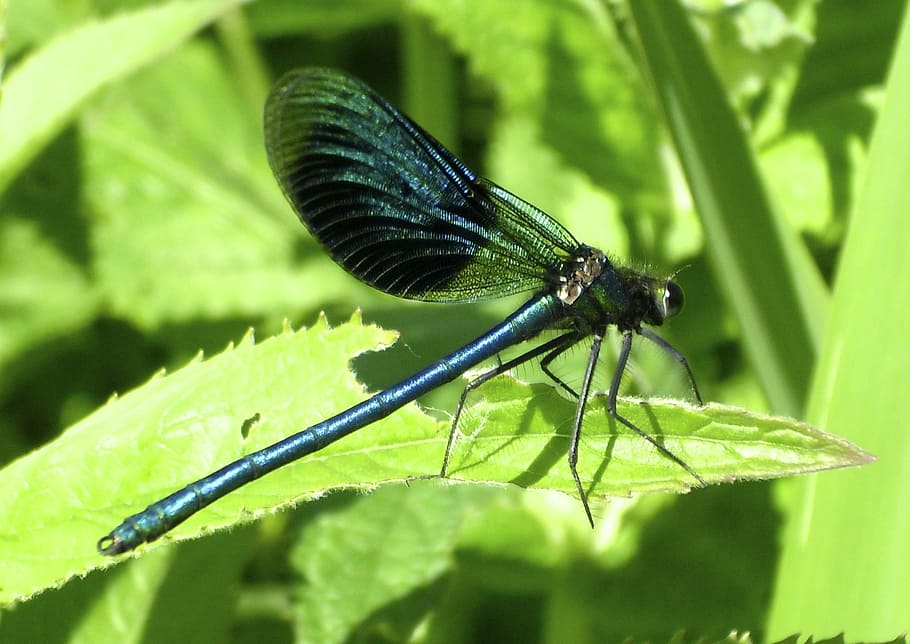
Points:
[322,18]
[765,270]
[171,431]
[178,428]
[42,92]
[393,546]
[42,292]
[185,593]
[721,443]
[175,144]
[188,223]
[562,66]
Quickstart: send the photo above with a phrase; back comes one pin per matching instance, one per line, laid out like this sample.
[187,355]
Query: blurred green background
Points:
[757,146]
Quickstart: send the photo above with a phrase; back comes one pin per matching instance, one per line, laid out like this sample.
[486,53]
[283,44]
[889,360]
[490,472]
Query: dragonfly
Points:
[398,211]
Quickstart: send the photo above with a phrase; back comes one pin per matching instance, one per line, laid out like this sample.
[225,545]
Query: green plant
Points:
[139,225]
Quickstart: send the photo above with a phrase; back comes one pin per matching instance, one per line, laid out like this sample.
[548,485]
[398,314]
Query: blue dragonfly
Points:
[398,211]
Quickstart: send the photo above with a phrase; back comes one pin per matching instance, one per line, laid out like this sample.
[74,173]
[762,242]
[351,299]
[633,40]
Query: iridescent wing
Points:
[392,206]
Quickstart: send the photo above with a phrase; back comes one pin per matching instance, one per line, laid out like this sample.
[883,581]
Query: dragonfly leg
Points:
[545,367]
[677,355]
[614,391]
[594,354]
[556,345]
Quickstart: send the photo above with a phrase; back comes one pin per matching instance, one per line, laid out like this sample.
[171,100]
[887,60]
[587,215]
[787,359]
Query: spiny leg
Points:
[614,390]
[598,337]
[545,367]
[556,345]
[677,355]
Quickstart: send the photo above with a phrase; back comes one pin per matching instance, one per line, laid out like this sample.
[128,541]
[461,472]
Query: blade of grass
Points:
[845,566]
[767,274]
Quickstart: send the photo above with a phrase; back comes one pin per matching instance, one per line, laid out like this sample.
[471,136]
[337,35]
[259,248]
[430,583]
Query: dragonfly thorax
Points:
[600,293]
[579,272]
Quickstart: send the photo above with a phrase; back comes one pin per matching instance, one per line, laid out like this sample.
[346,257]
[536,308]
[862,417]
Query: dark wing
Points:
[392,206]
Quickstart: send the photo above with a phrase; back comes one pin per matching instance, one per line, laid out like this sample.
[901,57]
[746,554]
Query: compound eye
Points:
[673,299]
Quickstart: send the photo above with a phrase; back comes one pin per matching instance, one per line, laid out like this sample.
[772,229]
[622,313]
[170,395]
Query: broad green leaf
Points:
[722,443]
[375,551]
[166,433]
[797,174]
[753,45]
[185,593]
[42,292]
[130,595]
[322,18]
[177,428]
[188,222]
[563,66]
[28,23]
[528,167]
[42,92]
